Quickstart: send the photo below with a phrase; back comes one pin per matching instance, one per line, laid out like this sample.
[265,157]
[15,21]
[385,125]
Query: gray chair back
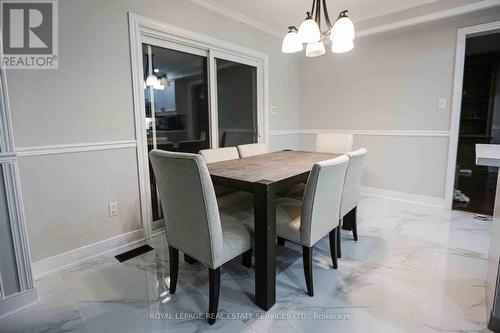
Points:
[189,205]
[352,185]
[219,154]
[322,199]
[252,149]
[339,143]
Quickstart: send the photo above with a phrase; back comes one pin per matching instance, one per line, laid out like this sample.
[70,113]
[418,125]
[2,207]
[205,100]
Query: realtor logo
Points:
[29,34]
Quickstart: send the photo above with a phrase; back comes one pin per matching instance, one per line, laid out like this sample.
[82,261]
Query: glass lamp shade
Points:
[315,49]
[309,31]
[343,29]
[164,82]
[158,86]
[340,45]
[291,43]
[152,80]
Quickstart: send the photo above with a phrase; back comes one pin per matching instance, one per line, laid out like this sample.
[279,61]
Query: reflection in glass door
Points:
[177,116]
[236,103]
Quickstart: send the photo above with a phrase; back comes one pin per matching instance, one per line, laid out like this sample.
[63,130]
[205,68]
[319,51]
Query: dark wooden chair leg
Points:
[350,222]
[281,241]
[246,258]
[189,260]
[173,254]
[214,282]
[339,242]
[333,246]
[355,224]
[307,253]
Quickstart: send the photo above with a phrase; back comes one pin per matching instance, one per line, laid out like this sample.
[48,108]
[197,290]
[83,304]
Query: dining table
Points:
[265,176]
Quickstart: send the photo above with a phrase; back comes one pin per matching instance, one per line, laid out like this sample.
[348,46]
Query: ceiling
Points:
[279,14]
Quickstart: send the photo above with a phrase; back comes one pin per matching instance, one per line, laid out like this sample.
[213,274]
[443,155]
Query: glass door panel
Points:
[176,97]
[236,103]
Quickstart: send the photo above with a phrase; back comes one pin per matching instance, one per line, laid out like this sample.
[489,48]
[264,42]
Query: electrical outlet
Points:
[113,208]
[274,110]
[442,103]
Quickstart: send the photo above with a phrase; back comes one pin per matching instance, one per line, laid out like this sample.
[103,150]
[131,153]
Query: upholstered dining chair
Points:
[306,222]
[339,143]
[335,143]
[219,154]
[351,194]
[252,149]
[193,222]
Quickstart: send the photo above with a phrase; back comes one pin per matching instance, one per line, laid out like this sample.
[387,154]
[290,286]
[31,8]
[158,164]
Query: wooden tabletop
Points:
[274,167]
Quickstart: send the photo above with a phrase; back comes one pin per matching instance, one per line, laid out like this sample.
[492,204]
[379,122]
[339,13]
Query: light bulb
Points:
[343,28]
[315,49]
[342,45]
[151,80]
[158,86]
[291,43]
[309,31]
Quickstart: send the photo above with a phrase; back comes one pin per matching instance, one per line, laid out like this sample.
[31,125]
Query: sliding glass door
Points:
[176,105]
[236,103]
[196,99]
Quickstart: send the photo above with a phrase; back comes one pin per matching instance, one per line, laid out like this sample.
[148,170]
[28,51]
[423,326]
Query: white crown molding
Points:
[364,132]
[480,5]
[74,148]
[235,15]
[403,197]
[67,259]
[447,13]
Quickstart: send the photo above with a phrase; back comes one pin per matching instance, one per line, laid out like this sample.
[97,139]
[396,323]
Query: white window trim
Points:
[142,29]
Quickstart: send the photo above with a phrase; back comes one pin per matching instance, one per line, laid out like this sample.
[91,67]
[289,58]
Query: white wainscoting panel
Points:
[73,257]
[17,302]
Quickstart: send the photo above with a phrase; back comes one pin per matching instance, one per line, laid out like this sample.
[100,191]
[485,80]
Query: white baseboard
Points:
[403,197]
[17,302]
[73,257]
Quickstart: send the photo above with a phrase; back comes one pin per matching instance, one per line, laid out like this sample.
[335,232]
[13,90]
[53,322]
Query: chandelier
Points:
[341,33]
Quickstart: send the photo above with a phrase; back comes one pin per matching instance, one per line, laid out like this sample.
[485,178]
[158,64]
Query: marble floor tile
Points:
[414,269]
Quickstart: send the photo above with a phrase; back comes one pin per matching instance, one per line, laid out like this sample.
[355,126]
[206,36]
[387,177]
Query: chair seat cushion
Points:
[288,212]
[236,214]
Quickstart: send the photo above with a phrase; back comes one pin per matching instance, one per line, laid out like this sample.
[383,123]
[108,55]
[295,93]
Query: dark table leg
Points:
[265,244]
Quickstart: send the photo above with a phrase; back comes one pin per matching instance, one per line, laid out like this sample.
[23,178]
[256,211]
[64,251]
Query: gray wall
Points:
[89,99]
[391,81]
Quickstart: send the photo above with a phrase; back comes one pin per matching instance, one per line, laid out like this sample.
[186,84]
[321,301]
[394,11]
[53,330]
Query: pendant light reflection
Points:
[152,80]
[157,84]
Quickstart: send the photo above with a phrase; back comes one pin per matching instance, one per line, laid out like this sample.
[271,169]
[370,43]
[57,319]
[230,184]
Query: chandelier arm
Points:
[318,13]
[327,18]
